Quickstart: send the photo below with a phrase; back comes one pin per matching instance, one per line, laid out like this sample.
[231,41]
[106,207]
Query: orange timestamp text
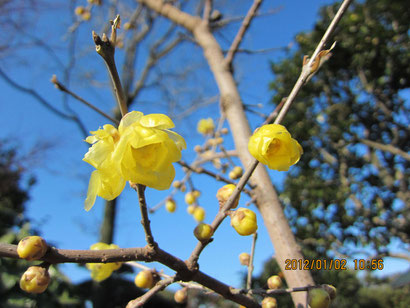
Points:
[316,264]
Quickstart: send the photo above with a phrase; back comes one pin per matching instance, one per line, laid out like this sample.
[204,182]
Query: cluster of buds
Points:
[236,173]
[179,185]
[83,12]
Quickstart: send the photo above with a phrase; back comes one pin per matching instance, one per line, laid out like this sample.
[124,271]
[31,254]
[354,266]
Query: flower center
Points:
[146,156]
[274,147]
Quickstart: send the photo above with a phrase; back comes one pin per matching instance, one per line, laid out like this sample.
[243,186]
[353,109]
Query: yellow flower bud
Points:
[274,282]
[128,26]
[170,205]
[244,258]
[176,184]
[238,171]
[191,209]
[199,214]
[197,148]
[206,126]
[318,298]
[86,15]
[196,194]
[35,279]
[203,232]
[269,302]
[181,296]
[182,188]
[219,140]
[79,10]
[189,198]
[243,220]
[273,146]
[224,193]
[145,279]
[224,131]
[32,248]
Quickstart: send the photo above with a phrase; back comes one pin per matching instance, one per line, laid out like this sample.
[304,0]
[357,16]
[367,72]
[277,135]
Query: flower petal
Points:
[93,187]
[157,120]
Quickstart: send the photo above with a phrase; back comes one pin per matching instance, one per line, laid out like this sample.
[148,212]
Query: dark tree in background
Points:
[350,189]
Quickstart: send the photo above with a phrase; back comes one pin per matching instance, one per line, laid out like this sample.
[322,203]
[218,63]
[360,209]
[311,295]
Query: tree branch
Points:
[241,33]
[385,147]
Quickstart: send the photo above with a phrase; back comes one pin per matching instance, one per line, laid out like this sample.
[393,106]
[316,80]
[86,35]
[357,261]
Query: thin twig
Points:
[106,48]
[161,285]
[207,10]
[306,72]
[239,36]
[62,88]
[144,214]
[250,266]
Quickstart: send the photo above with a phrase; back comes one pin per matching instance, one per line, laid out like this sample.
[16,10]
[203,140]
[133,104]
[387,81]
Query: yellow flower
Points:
[273,146]
[101,271]
[147,148]
[142,151]
[106,181]
[206,126]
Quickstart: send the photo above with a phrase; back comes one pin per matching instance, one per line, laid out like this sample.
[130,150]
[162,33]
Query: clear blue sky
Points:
[56,204]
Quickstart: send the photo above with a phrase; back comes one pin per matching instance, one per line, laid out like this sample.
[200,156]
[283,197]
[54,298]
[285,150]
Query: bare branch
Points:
[241,33]
[250,266]
[385,147]
[62,88]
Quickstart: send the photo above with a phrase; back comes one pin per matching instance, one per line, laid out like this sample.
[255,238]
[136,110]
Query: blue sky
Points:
[56,204]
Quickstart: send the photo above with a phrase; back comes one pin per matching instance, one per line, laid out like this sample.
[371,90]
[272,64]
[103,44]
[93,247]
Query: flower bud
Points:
[170,205]
[79,10]
[224,193]
[274,282]
[224,131]
[206,126]
[243,220]
[238,171]
[203,232]
[199,214]
[191,209]
[176,184]
[181,296]
[196,194]
[269,302]
[145,279]
[331,290]
[32,248]
[318,298]
[189,198]
[198,148]
[244,258]
[35,280]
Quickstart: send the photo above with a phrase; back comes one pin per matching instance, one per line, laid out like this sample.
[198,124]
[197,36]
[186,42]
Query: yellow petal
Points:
[179,140]
[129,119]
[93,187]
[157,120]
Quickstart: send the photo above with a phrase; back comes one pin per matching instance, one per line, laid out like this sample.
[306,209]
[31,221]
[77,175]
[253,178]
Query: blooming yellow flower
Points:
[101,271]
[273,146]
[206,126]
[106,181]
[147,148]
[142,151]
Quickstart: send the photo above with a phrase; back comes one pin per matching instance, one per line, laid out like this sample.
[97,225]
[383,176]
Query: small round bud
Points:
[244,258]
[203,232]
[224,131]
[128,26]
[176,184]
[32,248]
[182,188]
[199,214]
[243,220]
[206,126]
[145,279]
[211,142]
[274,282]
[219,140]
[331,290]
[197,148]
[196,193]
[318,298]
[35,280]
[86,15]
[170,205]
[238,171]
[79,10]
[189,198]
[181,296]
[224,193]
[191,209]
[269,302]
